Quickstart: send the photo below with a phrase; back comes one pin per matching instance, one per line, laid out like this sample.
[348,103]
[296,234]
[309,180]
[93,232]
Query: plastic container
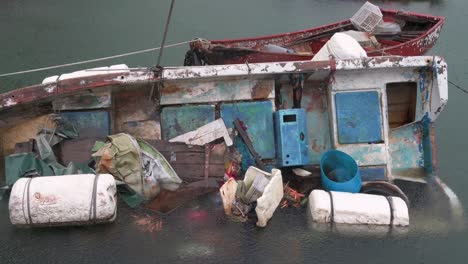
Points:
[339,172]
[387,28]
[342,47]
[367,17]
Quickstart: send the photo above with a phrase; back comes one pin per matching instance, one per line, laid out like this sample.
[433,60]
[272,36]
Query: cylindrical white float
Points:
[63,200]
[357,208]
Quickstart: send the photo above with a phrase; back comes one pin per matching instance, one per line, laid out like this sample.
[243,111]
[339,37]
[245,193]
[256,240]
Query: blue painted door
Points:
[359,117]
[178,120]
[258,117]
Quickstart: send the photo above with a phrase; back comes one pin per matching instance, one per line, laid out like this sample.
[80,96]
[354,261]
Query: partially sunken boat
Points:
[405,34]
[381,111]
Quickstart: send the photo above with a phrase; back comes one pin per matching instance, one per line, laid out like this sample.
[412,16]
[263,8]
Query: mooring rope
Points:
[458,87]
[94,60]
[166,28]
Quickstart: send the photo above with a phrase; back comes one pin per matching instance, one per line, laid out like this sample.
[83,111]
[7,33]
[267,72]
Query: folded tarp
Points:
[136,163]
[44,163]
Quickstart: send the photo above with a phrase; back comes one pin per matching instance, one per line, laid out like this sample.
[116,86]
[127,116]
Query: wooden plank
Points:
[76,150]
[190,158]
[189,162]
[25,147]
[134,113]
[166,146]
[248,143]
[195,171]
[142,129]
[183,92]
[178,120]
[93,100]
[205,134]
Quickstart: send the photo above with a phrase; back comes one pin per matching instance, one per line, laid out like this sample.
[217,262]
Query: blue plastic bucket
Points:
[339,172]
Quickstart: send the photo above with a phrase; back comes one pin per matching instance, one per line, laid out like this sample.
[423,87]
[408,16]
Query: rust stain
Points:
[315,146]
[262,89]
[22,132]
[171,89]
[316,99]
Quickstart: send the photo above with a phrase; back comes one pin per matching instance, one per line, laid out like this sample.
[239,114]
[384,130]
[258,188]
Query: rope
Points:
[165,33]
[390,203]
[332,209]
[28,202]
[458,87]
[92,208]
[94,60]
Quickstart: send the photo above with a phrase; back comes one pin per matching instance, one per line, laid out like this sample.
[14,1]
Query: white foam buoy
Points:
[63,200]
[341,47]
[357,208]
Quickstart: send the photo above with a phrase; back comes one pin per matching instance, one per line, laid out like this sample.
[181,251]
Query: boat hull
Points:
[249,50]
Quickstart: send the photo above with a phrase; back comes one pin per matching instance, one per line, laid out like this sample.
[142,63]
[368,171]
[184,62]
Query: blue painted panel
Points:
[292,146]
[258,117]
[315,103]
[427,145]
[359,118]
[373,173]
[178,120]
[406,150]
[88,123]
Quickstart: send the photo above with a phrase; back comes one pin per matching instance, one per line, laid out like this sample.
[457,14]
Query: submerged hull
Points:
[391,136]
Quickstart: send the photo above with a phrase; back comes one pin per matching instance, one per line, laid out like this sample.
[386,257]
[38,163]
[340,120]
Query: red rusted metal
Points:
[235,51]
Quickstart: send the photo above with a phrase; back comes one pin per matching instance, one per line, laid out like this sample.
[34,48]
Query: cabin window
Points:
[401,101]
[359,118]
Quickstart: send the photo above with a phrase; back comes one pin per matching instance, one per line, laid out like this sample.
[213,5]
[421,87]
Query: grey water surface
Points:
[41,33]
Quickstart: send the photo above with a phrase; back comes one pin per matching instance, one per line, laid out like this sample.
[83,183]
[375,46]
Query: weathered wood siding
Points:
[191,92]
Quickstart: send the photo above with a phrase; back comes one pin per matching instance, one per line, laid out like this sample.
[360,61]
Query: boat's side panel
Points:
[315,102]
[366,154]
[178,120]
[440,91]
[406,150]
[135,113]
[216,91]
[89,100]
[415,47]
[258,118]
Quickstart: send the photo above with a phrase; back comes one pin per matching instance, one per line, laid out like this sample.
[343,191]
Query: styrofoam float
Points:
[63,200]
[340,46]
[357,208]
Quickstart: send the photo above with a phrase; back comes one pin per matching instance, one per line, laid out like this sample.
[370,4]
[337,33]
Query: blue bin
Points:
[339,172]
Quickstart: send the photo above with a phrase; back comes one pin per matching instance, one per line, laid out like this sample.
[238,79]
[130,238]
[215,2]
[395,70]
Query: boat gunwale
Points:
[37,92]
[440,21]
